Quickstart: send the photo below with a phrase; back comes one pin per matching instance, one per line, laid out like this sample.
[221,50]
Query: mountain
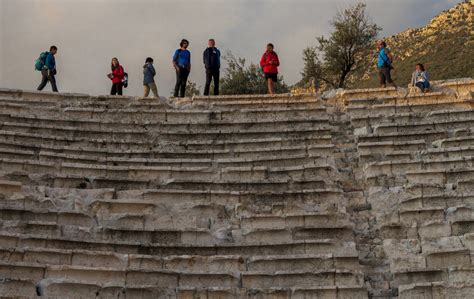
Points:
[445,46]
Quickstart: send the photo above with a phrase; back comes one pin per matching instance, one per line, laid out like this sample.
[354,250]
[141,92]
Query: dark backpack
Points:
[40,63]
[125,80]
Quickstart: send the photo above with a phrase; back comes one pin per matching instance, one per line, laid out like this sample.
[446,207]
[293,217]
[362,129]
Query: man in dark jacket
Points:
[49,70]
[212,62]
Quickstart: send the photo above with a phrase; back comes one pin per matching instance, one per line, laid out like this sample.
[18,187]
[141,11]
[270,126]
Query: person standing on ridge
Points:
[117,75]
[269,63]
[384,64]
[182,65]
[47,65]
[212,63]
[148,78]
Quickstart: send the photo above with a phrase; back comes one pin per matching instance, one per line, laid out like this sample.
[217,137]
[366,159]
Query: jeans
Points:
[212,74]
[423,85]
[117,89]
[48,75]
[181,80]
[153,88]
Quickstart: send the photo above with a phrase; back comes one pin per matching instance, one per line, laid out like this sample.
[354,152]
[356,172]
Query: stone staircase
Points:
[368,194]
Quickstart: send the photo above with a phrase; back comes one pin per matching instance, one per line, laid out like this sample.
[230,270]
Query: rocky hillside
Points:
[445,46]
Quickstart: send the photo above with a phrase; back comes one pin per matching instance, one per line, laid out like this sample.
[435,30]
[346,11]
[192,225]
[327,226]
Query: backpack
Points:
[41,61]
[125,80]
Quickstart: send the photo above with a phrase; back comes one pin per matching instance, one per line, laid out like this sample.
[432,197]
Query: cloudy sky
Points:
[89,33]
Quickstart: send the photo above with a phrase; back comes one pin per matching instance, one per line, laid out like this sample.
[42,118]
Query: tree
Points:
[342,53]
[312,70]
[192,89]
[239,79]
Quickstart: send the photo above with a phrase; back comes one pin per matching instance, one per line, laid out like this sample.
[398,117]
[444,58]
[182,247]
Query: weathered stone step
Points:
[367,156]
[302,279]
[436,289]
[147,115]
[400,100]
[424,126]
[265,184]
[273,264]
[395,168]
[449,176]
[382,147]
[270,161]
[460,141]
[87,275]
[219,150]
[55,122]
[413,117]
[428,136]
[454,275]
[438,200]
[97,259]
[370,93]
[60,287]
[166,173]
[391,110]
[318,246]
[286,221]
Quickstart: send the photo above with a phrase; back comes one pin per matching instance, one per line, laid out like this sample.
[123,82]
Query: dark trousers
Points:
[117,89]
[48,76]
[212,75]
[181,80]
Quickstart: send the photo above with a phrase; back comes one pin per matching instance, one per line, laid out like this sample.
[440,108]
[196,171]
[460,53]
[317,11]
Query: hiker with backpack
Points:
[420,78]
[46,64]
[117,76]
[269,63]
[212,63]
[384,64]
[182,65]
[148,78]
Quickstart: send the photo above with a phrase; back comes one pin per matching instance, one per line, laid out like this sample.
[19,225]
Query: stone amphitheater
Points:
[368,194]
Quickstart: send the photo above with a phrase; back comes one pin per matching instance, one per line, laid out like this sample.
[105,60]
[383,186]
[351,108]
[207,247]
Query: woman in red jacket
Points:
[269,64]
[116,76]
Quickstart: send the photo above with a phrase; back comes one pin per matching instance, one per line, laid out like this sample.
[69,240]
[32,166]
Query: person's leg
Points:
[382,78]
[120,88]
[421,86]
[52,80]
[388,76]
[216,75]
[44,79]
[184,81]
[146,90]
[113,91]
[270,85]
[178,83]
[208,82]
[154,89]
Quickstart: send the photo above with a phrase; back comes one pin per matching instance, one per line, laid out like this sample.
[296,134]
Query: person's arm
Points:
[218,58]
[425,75]
[49,62]
[189,67]
[175,58]
[277,60]
[120,72]
[263,61]
[152,69]
[205,58]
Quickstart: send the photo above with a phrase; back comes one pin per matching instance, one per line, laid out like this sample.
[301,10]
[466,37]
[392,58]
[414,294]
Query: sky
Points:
[88,33]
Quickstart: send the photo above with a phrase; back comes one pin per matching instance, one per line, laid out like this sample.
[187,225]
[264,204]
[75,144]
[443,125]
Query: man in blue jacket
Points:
[182,65]
[212,62]
[49,70]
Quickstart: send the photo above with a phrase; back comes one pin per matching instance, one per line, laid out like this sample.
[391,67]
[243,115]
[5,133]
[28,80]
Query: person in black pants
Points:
[212,62]
[49,70]
[182,65]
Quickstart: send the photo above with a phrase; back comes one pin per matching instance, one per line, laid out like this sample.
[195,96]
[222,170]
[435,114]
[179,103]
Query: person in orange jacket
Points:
[269,63]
